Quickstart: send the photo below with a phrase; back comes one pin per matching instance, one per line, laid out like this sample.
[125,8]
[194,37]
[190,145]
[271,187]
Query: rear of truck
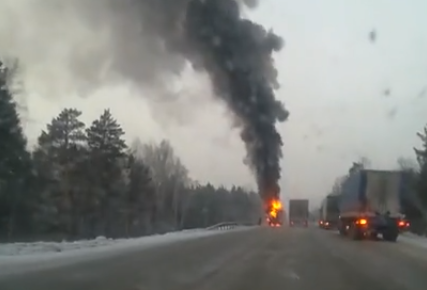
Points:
[298,212]
[275,220]
[370,205]
[321,209]
[274,213]
[329,214]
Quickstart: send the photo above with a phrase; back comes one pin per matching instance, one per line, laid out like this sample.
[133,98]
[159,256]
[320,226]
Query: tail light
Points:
[362,222]
[403,223]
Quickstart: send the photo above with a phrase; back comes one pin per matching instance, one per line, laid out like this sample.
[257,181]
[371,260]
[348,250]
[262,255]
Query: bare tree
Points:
[407,164]
[422,153]
[336,188]
[365,162]
[137,148]
[171,179]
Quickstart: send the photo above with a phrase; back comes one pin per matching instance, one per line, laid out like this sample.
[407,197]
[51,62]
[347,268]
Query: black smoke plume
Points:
[237,54]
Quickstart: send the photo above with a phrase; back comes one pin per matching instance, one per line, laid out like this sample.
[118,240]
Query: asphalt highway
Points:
[250,259]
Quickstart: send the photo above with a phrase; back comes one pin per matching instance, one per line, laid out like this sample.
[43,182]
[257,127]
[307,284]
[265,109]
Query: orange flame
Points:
[275,207]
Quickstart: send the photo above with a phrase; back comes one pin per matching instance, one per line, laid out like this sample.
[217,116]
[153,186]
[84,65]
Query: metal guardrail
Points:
[231,225]
[224,226]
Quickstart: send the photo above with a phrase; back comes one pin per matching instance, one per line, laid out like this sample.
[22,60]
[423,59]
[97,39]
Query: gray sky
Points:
[333,82]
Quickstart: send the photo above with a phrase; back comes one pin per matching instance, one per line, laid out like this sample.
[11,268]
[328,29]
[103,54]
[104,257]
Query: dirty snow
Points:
[15,249]
[414,240]
[22,257]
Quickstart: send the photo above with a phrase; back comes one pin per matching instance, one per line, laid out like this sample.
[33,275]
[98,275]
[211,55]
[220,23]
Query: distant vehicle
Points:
[404,224]
[298,212]
[276,220]
[370,205]
[329,212]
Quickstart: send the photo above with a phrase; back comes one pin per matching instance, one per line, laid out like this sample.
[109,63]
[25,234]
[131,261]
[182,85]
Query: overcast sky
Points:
[333,81]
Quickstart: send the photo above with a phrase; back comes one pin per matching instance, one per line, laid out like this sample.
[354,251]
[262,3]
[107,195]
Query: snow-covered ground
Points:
[35,248]
[20,257]
[412,239]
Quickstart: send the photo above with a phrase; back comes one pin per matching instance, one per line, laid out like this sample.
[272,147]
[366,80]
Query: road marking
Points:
[288,272]
[291,274]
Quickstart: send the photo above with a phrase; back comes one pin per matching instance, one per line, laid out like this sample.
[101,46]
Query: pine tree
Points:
[15,165]
[105,138]
[59,158]
[107,157]
[140,197]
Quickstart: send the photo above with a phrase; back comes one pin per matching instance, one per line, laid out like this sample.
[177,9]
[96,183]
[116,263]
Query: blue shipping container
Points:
[372,191]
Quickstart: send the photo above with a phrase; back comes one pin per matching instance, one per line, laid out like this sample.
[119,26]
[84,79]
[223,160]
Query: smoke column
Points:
[238,56]
[149,43]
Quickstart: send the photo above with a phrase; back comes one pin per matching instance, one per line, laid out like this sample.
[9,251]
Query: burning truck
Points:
[274,213]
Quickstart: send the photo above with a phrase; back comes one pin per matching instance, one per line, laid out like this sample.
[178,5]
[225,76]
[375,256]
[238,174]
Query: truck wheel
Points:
[373,236]
[390,236]
[342,230]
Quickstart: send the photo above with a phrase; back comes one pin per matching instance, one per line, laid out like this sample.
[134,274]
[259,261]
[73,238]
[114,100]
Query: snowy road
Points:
[250,259]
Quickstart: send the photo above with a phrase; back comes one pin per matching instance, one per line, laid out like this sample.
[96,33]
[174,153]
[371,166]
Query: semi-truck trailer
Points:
[274,213]
[329,212]
[298,212]
[275,220]
[370,204]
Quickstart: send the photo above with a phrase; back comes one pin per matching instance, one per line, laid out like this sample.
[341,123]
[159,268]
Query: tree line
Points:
[414,197]
[84,181]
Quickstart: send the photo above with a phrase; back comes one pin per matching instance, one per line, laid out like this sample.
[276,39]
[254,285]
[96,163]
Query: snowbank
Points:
[412,239]
[15,249]
[21,257]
